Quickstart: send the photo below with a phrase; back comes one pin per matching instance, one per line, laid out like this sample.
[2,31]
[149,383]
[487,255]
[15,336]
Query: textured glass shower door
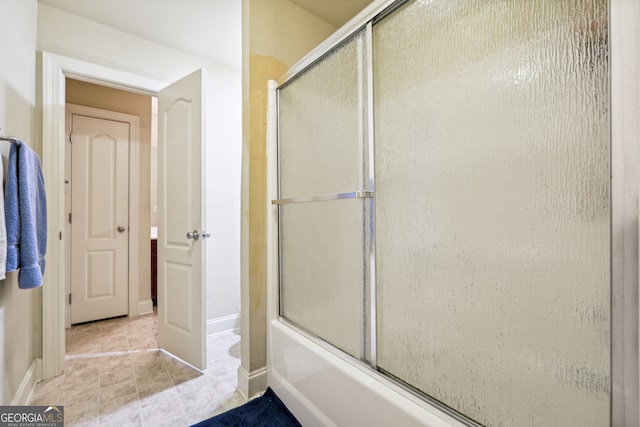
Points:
[323,212]
[492,207]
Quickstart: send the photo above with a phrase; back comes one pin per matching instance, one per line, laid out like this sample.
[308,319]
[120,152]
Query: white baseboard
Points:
[251,384]
[33,375]
[223,324]
[145,307]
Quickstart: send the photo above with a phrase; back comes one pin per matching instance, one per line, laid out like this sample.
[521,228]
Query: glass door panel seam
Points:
[371,187]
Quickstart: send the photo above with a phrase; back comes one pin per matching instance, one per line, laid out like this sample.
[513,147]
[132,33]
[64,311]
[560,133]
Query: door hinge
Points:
[69,299]
[61,235]
[71,138]
[69,217]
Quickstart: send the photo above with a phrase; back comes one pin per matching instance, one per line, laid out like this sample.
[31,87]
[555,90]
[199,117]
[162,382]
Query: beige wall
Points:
[284,31]
[20,310]
[276,34]
[106,98]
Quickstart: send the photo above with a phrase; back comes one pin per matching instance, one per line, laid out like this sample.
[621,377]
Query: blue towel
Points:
[11,215]
[26,216]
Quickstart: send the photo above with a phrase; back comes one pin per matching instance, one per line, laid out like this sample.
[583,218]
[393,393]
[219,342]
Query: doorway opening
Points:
[188,97]
[108,245]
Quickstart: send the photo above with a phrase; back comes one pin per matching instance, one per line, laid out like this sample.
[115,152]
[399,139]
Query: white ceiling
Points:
[207,28]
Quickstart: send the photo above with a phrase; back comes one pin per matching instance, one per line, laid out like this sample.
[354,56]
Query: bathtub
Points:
[324,388]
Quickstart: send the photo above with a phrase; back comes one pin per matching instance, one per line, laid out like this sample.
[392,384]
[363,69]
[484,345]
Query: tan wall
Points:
[276,34]
[20,310]
[284,31]
[91,95]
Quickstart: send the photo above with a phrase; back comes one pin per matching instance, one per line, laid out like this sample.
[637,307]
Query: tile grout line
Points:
[99,361]
[59,391]
[99,379]
[135,378]
[65,369]
[175,389]
[166,368]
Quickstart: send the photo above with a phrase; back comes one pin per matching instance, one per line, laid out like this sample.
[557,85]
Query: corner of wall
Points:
[251,384]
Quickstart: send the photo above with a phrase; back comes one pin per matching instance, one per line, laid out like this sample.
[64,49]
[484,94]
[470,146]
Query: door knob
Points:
[205,234]
[193,235]
[121,229]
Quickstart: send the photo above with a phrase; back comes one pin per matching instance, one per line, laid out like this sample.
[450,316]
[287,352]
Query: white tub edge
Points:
[322,389]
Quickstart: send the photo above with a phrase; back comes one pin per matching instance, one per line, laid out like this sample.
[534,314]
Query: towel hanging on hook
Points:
[23,228]
[25,215]
[11,139]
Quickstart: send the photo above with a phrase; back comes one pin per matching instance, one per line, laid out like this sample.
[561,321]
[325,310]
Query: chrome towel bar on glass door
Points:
[323,197]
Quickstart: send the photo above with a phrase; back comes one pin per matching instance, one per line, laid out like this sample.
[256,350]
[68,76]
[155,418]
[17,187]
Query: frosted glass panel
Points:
[321,132]
[492,207]
[321,125]
[322,270]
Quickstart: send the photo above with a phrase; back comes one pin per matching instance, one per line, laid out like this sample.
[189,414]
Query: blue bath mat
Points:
[264,411]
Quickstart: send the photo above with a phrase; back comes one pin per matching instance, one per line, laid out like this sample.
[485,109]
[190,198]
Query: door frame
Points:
[54,70]
[134,307]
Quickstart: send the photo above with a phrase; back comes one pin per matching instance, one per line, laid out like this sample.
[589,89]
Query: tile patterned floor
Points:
[116,375]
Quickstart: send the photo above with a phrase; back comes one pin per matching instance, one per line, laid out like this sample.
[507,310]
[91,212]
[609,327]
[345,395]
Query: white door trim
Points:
[134,199]
[54,70]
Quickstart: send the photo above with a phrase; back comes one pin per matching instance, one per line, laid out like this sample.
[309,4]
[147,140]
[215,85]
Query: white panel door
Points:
[181,290]
[100,212]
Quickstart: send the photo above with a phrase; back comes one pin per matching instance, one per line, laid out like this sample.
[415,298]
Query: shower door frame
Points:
[624,63]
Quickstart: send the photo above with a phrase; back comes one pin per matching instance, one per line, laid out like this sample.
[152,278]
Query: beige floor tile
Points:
[77,388]
[110,325]
[112,403]
[84,369]
[66,399]
[116,376]
[147,359]
[126,387]
[202,382]
[153,367]
[81,413]
[116,362]
[179,371]
[151,399]
[165,411]
[136,343]
[127,415]
[115,342]
[86,330]
[84,349]
[222,370]
[154,384]
[231,401]
[47,392]
[200,404]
